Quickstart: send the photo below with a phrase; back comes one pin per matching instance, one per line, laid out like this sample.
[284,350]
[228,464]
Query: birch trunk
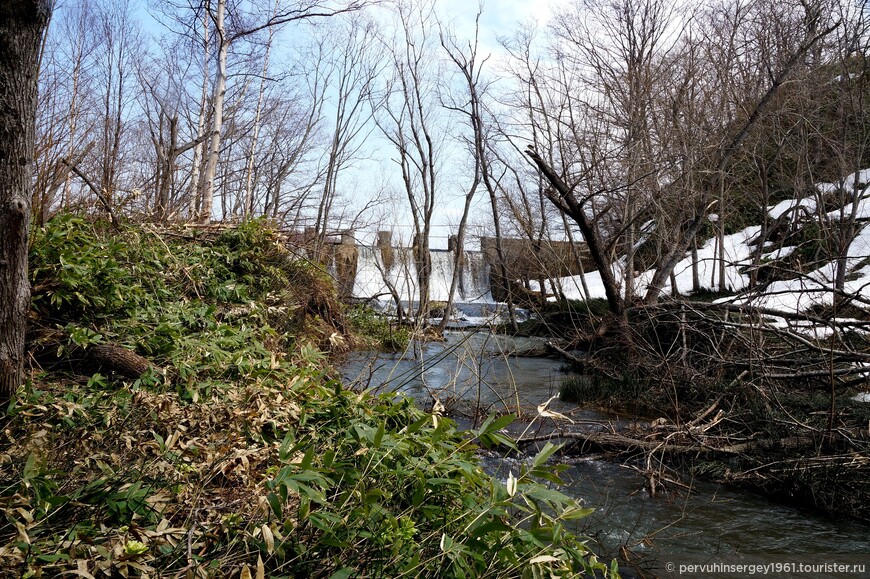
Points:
[196,187]
[220,89]
[249,177]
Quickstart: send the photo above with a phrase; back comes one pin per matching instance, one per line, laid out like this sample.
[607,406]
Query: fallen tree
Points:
[614,442]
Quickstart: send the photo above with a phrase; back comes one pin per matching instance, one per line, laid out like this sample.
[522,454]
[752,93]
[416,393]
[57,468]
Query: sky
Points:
[500,18]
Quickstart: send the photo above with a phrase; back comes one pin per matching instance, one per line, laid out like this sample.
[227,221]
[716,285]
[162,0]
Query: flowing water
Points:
[376,276]
[496,373]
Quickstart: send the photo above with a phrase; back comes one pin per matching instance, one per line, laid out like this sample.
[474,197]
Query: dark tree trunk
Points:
[21,26]
[562,196]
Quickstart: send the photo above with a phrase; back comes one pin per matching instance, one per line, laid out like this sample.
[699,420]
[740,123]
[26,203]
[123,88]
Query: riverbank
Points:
[736,401]
[643,522]
[182,418]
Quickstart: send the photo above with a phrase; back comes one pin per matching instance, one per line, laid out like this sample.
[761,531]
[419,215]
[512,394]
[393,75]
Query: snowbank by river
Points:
[809,290]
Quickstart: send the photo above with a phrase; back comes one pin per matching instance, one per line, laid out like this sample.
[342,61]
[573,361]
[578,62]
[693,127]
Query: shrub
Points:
[579,388]
[376,330]
[78,271]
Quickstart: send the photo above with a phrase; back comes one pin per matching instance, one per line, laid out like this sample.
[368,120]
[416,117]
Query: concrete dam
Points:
[383,270]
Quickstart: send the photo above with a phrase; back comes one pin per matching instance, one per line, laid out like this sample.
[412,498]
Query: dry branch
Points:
[620,443]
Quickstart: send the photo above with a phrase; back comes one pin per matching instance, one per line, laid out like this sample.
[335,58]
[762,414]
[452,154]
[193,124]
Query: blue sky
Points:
[500,18]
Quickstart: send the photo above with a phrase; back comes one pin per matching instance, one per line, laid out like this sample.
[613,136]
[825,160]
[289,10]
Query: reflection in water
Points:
[488,370]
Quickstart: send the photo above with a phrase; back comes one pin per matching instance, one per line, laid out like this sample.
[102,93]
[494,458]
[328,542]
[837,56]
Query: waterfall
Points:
[442,275]
[474,283]
[374,277]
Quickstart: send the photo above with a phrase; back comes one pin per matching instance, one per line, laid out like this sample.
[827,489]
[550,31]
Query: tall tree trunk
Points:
[458,254]
[220,89]
[166,155]
[73,118]
[116,28]
[720,233]
[563,197]
[765,224]
[578,259]
[196,185]
[249,173]
[21,26]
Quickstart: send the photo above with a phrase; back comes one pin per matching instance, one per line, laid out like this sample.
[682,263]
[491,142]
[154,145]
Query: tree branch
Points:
[106,205]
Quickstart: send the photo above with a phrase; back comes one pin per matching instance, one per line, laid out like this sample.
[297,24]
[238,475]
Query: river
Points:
[478,370]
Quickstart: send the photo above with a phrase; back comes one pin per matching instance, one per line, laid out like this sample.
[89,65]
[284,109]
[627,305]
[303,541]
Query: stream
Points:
[479,370]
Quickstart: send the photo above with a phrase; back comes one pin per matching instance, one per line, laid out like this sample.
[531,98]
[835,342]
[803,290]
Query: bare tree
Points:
[196,186]
[291,155]
[77,30]
[652,187]
[161,101]
[468,105]
[408,121]
[119,43]
[352,68]
[64,116]
[248,194]
[231,27]
[723,155]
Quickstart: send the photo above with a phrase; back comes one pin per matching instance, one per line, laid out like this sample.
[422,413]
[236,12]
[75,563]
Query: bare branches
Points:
[306,10]
[100,195]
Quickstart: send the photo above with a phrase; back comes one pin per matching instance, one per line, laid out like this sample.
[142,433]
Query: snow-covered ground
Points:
[791,296]
[737,253]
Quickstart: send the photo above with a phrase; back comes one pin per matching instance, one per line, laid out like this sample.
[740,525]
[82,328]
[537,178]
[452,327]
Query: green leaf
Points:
[30,467]
[379,435]
[304,508]
[285,451]
[575,512]
[501,422]
[544,454]
[328,458]
[492,526]
[275,504]
[416,426]
[307,459]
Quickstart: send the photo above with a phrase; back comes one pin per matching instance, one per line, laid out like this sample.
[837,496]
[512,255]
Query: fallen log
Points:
[118,359]
[606,441]
[566,354]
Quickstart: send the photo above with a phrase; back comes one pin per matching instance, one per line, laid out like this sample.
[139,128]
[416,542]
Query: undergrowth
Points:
[377,331]
[237,454]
